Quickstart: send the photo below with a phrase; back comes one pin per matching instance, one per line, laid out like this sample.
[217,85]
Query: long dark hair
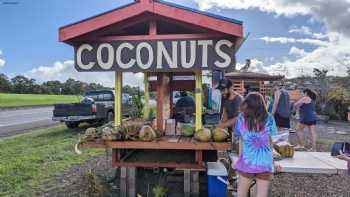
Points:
[310,93]
[255,112]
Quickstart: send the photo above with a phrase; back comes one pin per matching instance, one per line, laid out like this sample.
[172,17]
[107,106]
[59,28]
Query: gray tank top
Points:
[283,107]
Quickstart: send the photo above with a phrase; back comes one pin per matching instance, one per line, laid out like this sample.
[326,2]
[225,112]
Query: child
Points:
[254,127]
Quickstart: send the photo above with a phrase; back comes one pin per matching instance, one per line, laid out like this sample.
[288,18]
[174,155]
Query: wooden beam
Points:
[118,99]
[153,27]
[146,108]
[199,104]
[160,144]
[160,37]
[176,165]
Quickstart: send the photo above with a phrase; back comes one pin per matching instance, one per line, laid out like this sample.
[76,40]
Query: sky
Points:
[289,37]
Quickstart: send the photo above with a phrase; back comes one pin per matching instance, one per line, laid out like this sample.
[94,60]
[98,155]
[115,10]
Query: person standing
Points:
[231,101]
[308,118]
[254,128]
[281,106]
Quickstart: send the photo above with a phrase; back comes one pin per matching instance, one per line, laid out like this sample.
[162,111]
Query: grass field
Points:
[29,160]
[19,100]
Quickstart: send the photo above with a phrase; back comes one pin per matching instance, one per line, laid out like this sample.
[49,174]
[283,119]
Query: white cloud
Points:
[64,70]
[335,57]
[307,31]
[297,52]
[334,14]
[287,40]
[2,61]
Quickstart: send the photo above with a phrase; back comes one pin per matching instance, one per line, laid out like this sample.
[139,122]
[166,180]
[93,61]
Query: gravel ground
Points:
[71,182]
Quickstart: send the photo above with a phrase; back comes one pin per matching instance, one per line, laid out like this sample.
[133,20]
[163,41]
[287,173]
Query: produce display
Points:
[285,149]
[187,130]
[138,130]
[220,135]
[203,135]
[147,133]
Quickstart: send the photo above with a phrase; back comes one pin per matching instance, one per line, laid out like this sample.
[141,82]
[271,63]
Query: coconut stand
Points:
[162,40]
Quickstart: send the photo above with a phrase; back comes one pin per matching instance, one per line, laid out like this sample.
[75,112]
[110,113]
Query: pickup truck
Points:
[95,107]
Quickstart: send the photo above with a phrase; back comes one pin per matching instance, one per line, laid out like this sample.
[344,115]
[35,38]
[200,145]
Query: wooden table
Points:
[191,162]
[313,163]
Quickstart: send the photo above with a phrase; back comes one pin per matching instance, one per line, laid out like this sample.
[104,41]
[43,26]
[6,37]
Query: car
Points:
[94,107]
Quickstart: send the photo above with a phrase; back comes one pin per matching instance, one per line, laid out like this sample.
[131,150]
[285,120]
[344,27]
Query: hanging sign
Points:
[155,56]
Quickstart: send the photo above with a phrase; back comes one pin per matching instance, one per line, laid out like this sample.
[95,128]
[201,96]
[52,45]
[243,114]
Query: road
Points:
[17,121]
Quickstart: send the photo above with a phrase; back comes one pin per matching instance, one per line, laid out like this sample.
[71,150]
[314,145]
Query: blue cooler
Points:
[217,179]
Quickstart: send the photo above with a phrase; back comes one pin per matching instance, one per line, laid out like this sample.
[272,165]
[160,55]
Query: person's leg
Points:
[262,187]
[312,129]
[300,135]
[243,186]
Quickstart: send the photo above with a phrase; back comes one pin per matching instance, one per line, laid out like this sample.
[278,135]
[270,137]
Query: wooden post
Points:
[187,183]
[198,95]
[195,183]
[146,108]
[131,181]
[118,99]
[123,181]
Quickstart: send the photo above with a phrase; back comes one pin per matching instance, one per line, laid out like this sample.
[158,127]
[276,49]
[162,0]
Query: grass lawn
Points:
[28,160]
[18,100]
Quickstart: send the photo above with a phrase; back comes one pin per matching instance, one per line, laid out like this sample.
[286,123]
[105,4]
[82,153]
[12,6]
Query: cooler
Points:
[217,179]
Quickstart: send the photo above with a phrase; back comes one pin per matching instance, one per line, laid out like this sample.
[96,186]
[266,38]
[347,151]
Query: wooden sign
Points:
[155,55]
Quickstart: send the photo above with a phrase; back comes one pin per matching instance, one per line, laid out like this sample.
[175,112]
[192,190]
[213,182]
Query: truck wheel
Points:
[72,125]
[110,116]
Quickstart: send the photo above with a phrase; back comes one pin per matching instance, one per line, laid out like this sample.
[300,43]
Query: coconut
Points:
[220,135]
[203,135]
[187,130]
[147,133]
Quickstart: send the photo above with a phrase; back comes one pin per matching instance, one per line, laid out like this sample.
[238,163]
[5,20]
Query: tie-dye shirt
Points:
[256,156]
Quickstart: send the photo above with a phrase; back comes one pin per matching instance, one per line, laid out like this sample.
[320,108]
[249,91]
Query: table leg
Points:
[187,183]
[123,182]
[195,183]
[132,182]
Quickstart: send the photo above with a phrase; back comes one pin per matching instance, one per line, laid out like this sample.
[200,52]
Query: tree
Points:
[5,83]
[22,84]
[323,87]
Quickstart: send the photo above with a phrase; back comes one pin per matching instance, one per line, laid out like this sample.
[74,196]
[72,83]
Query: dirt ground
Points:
[72,182]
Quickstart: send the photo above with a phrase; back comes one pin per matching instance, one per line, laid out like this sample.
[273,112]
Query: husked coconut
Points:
[147,133]
[220,135]
[203,135]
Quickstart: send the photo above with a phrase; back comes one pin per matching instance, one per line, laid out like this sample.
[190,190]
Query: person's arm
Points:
[275,101]
[344,157]
[301,101]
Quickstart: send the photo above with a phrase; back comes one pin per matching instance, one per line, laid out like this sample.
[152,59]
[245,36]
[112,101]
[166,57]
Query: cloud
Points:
[64,70]
[287,40]
[334,14]
[2,61]
[307,31]
[335,57]
[297,52]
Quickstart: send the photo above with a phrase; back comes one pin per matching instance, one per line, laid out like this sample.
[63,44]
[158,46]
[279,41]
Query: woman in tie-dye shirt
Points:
[254,127]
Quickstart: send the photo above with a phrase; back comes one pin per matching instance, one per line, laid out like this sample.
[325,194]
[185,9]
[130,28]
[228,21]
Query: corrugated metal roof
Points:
[202,12]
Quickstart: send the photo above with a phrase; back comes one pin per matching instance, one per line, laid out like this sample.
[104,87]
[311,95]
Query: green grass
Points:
[29,160]
[20,100]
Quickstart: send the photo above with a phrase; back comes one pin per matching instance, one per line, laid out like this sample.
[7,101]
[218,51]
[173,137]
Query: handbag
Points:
[340,148]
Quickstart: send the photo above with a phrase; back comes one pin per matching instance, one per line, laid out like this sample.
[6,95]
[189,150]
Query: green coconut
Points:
[220,135]
[147,133]
[203,135]
[187,130]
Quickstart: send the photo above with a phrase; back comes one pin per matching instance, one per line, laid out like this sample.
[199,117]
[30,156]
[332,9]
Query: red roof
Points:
[214,23]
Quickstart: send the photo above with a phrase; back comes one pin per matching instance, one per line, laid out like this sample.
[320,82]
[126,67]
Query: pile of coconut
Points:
[205,134]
